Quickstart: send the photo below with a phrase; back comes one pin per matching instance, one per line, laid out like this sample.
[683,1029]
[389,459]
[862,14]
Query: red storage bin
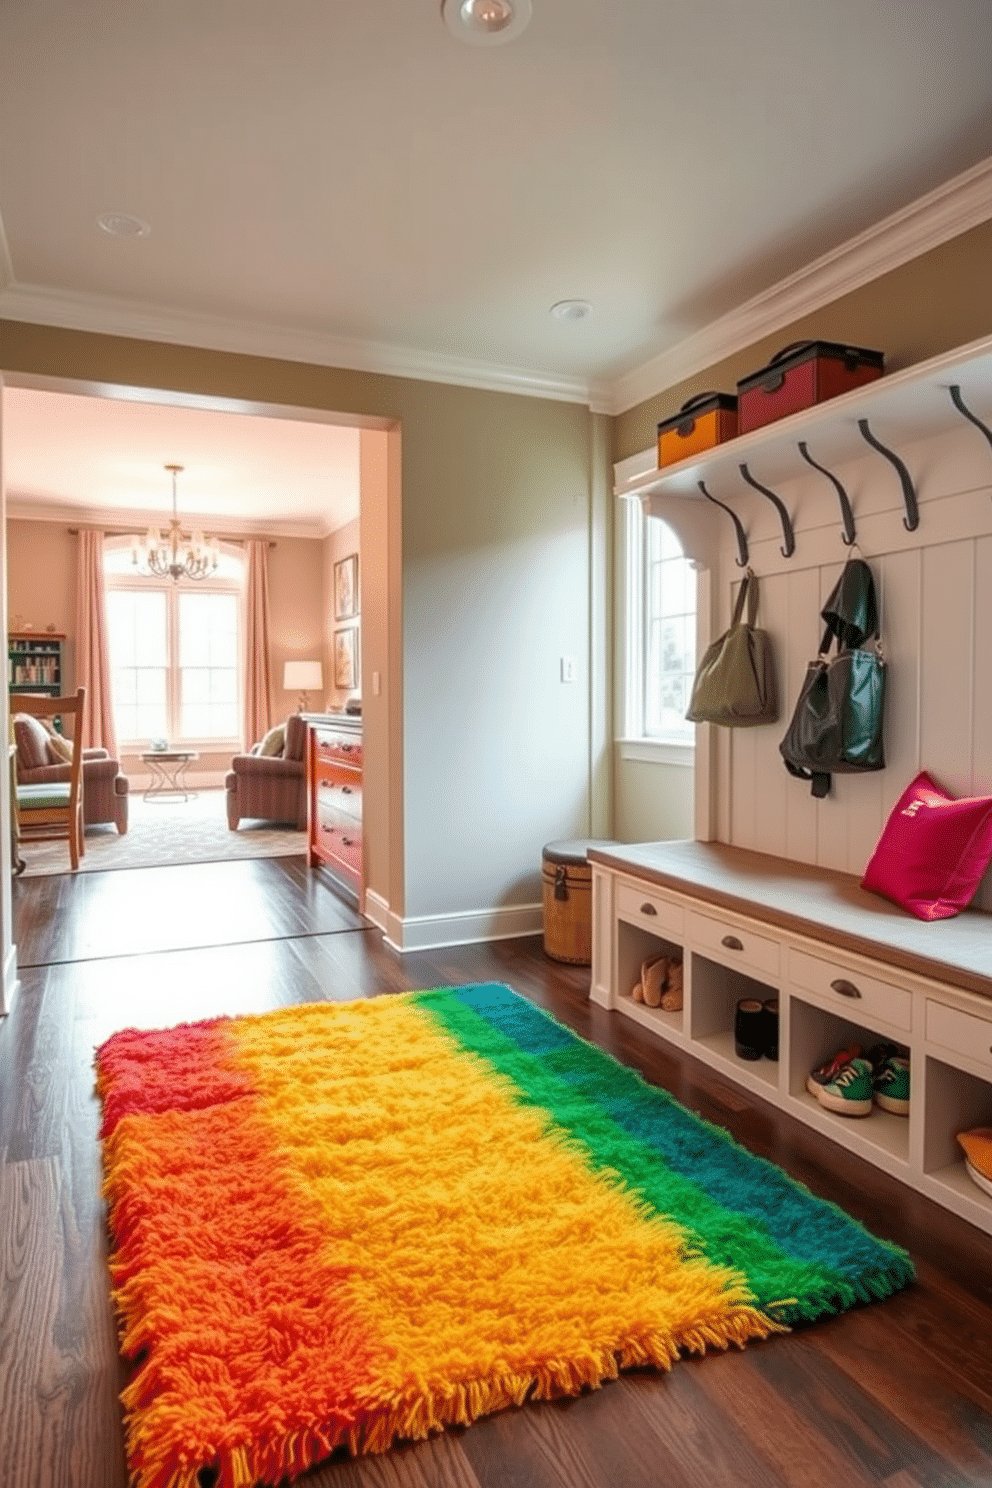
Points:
[800,375]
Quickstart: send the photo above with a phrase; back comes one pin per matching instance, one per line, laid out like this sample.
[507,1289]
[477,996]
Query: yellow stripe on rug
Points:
[485,1270]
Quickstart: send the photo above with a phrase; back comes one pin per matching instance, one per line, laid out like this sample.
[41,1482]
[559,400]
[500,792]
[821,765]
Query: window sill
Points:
[657,751]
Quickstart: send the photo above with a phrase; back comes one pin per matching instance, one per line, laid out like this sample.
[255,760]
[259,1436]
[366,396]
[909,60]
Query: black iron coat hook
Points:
[789,536]
[849,536]
[958,402]
[742,560]
[912,518]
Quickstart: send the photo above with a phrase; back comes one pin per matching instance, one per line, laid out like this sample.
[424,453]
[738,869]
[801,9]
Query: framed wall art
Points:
[346,658]
[346,587]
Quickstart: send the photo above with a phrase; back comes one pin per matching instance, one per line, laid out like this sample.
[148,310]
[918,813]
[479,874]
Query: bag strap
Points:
[748,591]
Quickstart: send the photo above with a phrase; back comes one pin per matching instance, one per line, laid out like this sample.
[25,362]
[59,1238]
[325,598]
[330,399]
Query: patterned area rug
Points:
[161,833]
[362,1222]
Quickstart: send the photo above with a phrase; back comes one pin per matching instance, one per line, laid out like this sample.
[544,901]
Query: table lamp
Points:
[304,677]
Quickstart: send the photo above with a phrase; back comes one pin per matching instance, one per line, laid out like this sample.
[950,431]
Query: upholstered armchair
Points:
[269,782]
[43,759]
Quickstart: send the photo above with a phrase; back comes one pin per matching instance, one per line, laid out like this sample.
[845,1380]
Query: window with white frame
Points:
[175,653]
[661,632]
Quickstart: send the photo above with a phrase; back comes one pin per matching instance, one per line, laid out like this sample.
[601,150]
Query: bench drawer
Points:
[734,945]
[641,907]
[857,995]
[961,1032]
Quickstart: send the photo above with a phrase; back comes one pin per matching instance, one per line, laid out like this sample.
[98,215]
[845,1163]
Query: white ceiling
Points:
[343,178]
[104,458]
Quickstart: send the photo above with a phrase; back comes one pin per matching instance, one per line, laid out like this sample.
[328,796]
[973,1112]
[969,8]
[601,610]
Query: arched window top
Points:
[661,632]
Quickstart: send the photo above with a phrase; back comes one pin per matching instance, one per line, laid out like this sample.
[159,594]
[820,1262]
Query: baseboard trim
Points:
[466,927]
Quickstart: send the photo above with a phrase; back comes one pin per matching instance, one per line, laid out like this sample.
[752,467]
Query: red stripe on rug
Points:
[187,1068]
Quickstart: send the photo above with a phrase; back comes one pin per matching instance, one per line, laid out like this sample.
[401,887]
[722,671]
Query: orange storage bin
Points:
[705,420]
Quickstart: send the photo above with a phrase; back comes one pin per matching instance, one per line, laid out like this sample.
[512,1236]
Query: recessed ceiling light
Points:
[123,225]
[571,309]
[486,22]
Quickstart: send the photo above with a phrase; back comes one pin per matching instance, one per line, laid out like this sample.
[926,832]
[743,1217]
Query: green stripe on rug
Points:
[802,1256]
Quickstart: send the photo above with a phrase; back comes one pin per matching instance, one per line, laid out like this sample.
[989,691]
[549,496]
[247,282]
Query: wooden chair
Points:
[55,809]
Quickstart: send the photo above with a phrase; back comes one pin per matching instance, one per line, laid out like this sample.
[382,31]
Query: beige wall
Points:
[297,603]
[41,582]
[939,301]
[339,545]
[495,560]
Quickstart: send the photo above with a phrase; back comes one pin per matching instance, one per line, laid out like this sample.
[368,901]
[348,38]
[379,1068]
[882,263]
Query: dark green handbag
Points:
[836,727]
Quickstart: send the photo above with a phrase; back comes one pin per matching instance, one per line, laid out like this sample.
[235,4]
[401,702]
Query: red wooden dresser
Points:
[334,797]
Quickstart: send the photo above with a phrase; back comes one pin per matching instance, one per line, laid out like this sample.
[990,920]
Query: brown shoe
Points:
[671,1000]
[654,976]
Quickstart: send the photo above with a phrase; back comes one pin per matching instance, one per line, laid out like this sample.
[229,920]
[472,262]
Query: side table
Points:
[168,771]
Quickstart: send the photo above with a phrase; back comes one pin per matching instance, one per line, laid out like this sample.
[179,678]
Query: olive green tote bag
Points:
[735,681]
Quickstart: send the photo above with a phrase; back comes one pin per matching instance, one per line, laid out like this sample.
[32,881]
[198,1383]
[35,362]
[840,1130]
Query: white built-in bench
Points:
[844,965]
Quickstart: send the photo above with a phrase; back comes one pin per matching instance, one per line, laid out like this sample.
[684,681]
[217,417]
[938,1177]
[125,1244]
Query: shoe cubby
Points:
[843,971]
[815,1035]
[635,945]
[955,1101]
[716,991]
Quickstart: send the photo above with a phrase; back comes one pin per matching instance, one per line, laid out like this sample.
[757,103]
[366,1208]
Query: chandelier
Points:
[171,554]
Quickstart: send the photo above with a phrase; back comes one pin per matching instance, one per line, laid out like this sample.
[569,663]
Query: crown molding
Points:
[951,209]
[134,319]
[28,509]
[959,204]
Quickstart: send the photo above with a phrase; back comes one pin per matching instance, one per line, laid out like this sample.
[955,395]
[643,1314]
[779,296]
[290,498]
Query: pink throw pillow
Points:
[933,851]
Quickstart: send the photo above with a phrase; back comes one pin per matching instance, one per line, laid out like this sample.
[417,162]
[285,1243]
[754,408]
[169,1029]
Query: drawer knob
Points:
[347,841]
[648,908]
[346,790]
[732,943]
[845,988]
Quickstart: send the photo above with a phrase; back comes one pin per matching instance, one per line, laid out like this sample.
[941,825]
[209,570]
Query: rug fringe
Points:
[417,1413]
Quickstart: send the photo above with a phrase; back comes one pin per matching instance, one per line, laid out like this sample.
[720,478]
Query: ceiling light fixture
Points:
[123,225]
[486,22]
[171,555]
[570,309]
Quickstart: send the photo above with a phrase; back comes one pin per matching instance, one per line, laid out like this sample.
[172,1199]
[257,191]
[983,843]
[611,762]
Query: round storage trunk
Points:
[567,885]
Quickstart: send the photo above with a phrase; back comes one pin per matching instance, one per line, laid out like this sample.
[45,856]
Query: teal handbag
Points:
[836,727]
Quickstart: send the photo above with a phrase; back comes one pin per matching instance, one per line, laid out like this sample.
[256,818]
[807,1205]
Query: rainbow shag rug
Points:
[354,1223]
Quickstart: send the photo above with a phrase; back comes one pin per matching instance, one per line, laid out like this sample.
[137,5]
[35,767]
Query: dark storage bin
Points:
[706,420]
[800,375]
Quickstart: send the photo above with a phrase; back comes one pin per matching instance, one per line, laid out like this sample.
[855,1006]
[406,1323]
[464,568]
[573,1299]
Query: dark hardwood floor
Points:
[899,1393]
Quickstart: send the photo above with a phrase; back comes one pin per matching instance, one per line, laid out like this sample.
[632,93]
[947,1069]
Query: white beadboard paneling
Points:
[982,692]
[844,798]
[898,579]
[947,607]
[934,586]
[771,800]
[799,645]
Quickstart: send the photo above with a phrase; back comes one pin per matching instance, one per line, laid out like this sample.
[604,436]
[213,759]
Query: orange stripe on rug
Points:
[252,1353]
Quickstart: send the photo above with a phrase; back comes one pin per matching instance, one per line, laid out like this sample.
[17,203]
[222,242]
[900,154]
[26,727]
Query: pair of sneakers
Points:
[852,1082]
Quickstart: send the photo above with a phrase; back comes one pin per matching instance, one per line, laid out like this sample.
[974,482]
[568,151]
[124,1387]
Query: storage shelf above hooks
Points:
[903,407]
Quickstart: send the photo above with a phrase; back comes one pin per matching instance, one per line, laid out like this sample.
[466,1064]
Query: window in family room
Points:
[174,654]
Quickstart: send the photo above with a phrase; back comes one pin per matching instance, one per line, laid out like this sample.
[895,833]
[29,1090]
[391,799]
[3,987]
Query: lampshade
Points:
[303,677]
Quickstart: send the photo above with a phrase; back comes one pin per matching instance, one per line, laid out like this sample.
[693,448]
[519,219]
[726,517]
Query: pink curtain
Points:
[92,645]
[257,716]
